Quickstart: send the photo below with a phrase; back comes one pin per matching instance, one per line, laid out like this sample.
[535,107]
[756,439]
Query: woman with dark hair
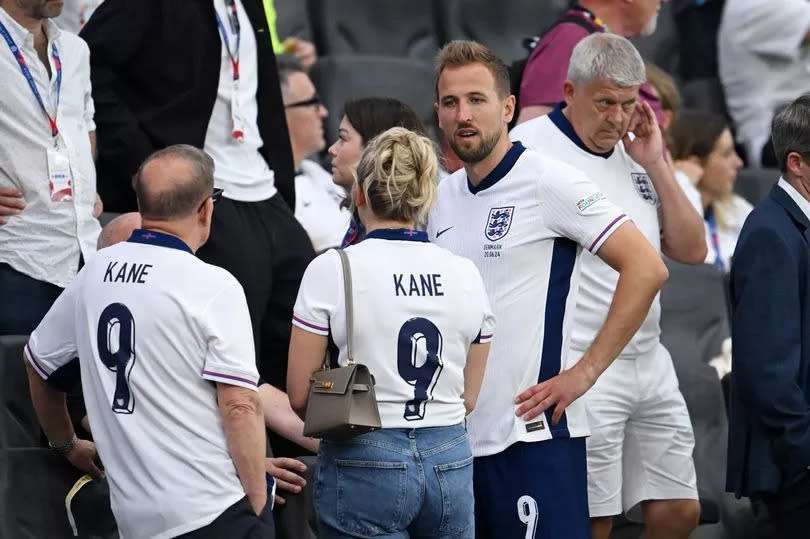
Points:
[364,119]
[706,164]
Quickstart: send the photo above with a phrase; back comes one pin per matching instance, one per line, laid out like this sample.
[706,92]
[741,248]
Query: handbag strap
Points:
[347,293]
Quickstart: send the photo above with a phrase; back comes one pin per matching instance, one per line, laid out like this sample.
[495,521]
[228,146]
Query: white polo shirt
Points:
[625,183]
[151,341]
[46,240]
[240,169]
[317,206]
[524,226]
[417,309]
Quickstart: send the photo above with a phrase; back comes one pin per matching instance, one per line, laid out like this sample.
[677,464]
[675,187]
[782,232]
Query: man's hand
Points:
[11,203]
[304,51]
[647,147]
[286,473]
[561,391]
[84,457]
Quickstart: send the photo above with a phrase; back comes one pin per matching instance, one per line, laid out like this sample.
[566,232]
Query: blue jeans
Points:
[396,483]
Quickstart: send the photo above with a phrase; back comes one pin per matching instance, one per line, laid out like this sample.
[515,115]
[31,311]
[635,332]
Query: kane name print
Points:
[423,284]
[126,272]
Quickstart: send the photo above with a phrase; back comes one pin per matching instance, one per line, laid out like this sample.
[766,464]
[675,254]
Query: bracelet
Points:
[65,448]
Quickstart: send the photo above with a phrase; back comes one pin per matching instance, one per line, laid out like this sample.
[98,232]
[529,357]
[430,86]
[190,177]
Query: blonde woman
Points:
[422,325]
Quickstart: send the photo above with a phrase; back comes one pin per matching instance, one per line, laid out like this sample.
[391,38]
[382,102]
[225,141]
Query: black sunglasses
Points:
[312,101]
[216,194]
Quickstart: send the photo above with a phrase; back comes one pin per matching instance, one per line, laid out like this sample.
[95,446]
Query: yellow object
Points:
[270,13]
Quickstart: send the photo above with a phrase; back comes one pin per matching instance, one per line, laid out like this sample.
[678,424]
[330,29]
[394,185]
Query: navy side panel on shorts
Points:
[536,490]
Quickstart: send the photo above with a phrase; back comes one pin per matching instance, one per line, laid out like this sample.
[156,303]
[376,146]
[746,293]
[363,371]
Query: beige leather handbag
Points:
[342,403]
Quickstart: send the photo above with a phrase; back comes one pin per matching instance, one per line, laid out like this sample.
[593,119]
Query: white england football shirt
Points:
[625,183]
[417,309]
[154,326]
[523,226]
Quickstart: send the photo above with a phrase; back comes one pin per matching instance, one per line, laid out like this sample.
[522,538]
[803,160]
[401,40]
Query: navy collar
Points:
[565,126]
[153,237]
[402,234]
[500,170]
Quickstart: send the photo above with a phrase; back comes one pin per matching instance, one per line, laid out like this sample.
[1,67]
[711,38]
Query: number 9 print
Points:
[527,512]
[425,376]
[116,349]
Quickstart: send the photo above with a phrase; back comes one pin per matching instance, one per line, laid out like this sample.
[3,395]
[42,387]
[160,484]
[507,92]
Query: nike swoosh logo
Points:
[440,232]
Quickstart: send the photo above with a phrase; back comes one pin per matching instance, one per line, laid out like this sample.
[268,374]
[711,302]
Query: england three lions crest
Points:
[644,187]
[500,219]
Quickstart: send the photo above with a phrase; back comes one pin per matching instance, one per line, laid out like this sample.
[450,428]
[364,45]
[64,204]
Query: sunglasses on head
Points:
[312,101]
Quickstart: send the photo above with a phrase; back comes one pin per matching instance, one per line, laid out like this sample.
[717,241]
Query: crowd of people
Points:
[501,283]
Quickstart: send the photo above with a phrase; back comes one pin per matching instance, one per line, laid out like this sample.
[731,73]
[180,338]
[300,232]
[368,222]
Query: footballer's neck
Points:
[476,172]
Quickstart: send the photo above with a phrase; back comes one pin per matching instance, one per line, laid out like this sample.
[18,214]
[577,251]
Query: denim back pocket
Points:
[371,496]
[458,505]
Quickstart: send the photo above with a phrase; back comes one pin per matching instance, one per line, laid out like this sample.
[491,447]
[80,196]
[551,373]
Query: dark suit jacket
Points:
[155,70]
[769,424]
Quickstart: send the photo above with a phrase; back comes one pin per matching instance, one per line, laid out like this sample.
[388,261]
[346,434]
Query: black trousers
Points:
[789,509]
[267,250]
[237,522]
[25,301]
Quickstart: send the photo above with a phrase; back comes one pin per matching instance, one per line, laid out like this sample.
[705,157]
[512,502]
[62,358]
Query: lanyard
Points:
[712,222]
[233,19]
[27,74]
[590,16]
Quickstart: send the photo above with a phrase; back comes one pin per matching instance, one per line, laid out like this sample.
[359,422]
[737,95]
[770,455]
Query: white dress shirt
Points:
[239,167]
[800,201]
[317,206]
[46,239]
[764,63]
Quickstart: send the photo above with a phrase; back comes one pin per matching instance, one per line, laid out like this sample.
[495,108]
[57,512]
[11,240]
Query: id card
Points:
[238,126]
[59,176]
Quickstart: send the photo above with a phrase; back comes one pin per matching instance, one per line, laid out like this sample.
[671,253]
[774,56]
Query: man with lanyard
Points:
[47,176]
[542,81]
[640,449]
[211,82]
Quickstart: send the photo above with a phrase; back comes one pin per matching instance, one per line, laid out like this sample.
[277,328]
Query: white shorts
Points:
[641,437]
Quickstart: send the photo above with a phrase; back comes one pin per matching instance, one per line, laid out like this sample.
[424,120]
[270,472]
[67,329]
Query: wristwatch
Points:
[65,448]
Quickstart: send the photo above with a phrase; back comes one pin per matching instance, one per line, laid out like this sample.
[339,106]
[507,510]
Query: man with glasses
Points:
[184,455]
[317,198]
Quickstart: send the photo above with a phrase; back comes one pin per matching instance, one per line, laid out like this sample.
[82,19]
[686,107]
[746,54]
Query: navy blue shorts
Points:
[536,490]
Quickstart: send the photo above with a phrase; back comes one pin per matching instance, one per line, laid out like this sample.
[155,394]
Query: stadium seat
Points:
[292,19]
[502,26]
[662,46]
[706,95]
[19,426]
[340,78]
[390,27]
[754,184]
[694,323]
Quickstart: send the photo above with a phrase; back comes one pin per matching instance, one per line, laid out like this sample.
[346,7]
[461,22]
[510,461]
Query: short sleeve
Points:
[320,292]
[574,207]
[230,357]
[691,192]
[486,331]
[53,344]
[547,67]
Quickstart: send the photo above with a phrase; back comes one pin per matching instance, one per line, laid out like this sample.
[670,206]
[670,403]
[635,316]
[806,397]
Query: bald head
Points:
[119,229]
[173,182]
